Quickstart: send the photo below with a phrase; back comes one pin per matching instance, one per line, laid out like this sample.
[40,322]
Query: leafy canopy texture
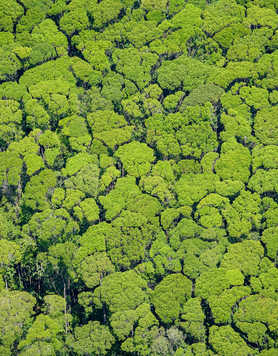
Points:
[139,177]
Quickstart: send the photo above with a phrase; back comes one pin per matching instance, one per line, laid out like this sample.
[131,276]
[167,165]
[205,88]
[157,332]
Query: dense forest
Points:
[138,177]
